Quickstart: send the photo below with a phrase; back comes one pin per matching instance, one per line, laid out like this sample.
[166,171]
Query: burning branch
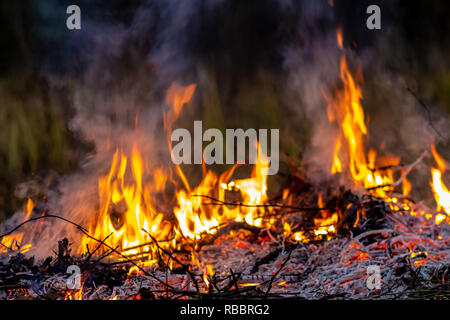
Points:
[409,168]
[268,205]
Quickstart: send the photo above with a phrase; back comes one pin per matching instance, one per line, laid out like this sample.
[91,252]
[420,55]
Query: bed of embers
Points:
[229,239]
[412,251]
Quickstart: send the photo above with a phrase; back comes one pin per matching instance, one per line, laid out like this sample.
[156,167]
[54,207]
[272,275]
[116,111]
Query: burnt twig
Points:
[404,175]
[85,232]
[171,256]
[268,205]
[276,274]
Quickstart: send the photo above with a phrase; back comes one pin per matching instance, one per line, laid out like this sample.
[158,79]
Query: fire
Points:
[15,240]
[324,226]
[340,38]
[195,218]
[74,294]
[345,110]
[126,208]
[128,214]
[249,284]
[30,206]
[130,219]
[440,190]
[177,96]
[207,271]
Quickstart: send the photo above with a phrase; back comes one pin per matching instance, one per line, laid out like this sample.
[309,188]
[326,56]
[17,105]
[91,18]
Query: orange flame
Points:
[127,207]
[15,241]
[195,218]
[74,294]
[346,111]
[176,97]
[340,38]
[440,190]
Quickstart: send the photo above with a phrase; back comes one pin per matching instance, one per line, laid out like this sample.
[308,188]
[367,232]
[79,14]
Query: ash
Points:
[411,252]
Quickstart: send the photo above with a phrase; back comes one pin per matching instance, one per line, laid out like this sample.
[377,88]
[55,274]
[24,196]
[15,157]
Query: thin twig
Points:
[96,249]
[404,175]
[268,205]
[171,256]
[430,120]
[84,230]
[276,274]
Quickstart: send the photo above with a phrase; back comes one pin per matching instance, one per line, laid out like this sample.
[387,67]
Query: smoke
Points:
[399,121]
[124,68]
[312,66]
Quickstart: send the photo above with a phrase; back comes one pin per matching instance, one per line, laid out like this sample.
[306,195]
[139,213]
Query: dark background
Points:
[239,44]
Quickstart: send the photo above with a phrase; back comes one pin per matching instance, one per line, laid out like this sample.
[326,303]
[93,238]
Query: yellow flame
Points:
[346,111]
[195,218]
[438,158]
[74,295]
[30,206]
[127,206]
[440,190]
[177,96]
[16,241]
[125,209]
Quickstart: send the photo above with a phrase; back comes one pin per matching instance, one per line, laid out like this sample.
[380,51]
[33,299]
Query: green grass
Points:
[33,138]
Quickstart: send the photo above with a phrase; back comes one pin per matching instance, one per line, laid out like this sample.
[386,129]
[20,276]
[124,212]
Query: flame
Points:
[325,227]
[325,224]
[438,158]
[16,241]
[207,271]
[177,96]
[299,236]
[287,229]
[346,111]
[30,206]
[249,284]
[440,190]
[340,38]
[74,294]
[196,219]
[127,206]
